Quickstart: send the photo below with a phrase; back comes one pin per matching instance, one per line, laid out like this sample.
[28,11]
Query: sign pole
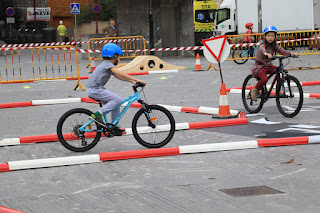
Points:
[220,72]
[34,13]
[75,24]
[97,21]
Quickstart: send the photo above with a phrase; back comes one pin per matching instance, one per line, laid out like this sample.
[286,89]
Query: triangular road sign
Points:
[215,45]
[75,8]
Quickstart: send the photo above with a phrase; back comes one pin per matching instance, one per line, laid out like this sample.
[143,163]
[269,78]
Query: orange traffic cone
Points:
[198,64]
[224,110]
[93,65]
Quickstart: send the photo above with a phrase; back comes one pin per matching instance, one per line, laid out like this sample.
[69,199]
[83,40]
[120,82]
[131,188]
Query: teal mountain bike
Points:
[242,54]
[153,126]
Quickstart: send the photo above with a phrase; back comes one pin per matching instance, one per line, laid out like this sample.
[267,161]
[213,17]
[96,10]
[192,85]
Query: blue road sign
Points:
[10,11]
[75,8]
[96,8]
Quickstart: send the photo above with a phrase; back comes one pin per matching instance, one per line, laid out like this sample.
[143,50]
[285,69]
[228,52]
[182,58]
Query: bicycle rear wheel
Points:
[250,105]
[241,55]
[291,101]
[69,134]
[153,136]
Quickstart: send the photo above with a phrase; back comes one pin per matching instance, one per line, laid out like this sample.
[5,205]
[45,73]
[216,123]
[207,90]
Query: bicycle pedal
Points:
[107,133]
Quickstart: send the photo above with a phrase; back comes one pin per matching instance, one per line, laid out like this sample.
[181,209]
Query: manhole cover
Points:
[250,191]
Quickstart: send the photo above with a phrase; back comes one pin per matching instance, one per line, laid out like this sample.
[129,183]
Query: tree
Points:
[108,11]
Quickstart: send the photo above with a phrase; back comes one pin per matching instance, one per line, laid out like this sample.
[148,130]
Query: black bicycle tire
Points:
[237,62]
[300,98]
[60,134]
[243,95]
[143,142]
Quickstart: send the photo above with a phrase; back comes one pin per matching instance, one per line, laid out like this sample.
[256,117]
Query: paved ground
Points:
[185,183]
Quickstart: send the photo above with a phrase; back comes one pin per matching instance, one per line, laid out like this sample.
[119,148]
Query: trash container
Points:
[21,38]
[28,36]
[49,34]
[36,36]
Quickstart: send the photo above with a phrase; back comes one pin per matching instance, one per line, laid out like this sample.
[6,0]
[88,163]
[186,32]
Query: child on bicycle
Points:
[100,76]
[263,64]
[248,38]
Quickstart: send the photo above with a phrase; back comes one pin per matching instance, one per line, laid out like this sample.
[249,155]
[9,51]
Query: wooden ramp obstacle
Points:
[148,63]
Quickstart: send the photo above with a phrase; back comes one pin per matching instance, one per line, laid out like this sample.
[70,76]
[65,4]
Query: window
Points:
[204,16]
[222,15]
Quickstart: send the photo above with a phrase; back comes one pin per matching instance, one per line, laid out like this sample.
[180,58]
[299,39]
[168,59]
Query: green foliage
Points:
[108,11]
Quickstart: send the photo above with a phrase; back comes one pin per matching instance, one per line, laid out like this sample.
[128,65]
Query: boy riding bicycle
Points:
[100,76]
[263,64]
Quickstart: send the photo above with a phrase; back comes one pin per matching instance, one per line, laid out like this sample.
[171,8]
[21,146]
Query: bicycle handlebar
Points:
[282,57]
[138,84]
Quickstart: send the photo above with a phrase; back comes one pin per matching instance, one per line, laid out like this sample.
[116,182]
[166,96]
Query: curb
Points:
[128,131]
[123,155]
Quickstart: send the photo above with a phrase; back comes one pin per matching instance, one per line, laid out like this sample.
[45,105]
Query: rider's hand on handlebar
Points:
[268,55]
[295,55]
[142,82]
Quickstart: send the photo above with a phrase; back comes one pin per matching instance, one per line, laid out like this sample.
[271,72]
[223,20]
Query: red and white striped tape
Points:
[23,46]
[128,131]
[186,149]
[66,43]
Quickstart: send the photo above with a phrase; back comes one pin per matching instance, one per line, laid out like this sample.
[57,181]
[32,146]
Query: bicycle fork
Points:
[146,113]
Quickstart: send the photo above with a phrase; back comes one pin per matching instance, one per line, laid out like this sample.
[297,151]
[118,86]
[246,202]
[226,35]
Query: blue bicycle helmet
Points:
[110,49]
[270,28]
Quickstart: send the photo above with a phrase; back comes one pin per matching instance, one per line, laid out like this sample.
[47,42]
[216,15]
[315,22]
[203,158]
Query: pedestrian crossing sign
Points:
[75,8]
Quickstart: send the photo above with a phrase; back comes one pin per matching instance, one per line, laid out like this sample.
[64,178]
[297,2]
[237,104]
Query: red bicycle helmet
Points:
[248,25]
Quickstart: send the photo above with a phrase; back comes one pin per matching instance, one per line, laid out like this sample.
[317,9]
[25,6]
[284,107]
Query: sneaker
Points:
[98,118]
[117,131]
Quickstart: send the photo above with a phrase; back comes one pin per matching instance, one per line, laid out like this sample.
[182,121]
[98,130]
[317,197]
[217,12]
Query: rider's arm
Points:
[261,59]
[124,76]
[282,51]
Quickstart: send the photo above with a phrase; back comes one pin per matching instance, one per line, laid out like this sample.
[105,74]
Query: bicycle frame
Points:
[248,50]
[130,100]
[279,70]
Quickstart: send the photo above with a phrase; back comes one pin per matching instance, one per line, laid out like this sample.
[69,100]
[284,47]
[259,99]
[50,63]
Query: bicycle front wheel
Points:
[250,105]
[240,56]
[289,96]
[69,134]
[154,127]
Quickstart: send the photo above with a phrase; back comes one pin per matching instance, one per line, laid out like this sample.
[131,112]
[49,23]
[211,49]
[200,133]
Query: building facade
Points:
[164,23]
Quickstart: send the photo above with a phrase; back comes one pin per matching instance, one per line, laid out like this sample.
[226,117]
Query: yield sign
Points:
[218,47]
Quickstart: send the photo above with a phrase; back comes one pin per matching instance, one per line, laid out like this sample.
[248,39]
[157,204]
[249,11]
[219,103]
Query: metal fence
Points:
[126,43]
[40,63]
[298,41]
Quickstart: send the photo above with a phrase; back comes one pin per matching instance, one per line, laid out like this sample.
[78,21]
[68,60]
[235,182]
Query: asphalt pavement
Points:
[182,183]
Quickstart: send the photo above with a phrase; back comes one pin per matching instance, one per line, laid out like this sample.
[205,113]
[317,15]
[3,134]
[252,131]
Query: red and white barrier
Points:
[186,149]
[305,94]
[128,131]
[8,210]
[200,110]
